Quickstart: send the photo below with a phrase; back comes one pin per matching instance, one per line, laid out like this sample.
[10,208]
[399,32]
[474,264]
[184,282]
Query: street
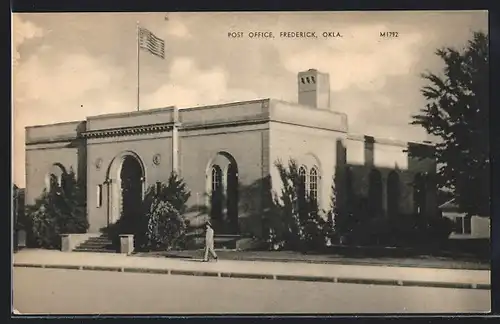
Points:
[55,291]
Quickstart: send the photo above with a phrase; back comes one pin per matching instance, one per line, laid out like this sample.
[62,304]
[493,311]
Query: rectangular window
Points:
[99,196]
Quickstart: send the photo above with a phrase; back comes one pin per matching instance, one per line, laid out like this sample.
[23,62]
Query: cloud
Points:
[360,58]
[91,62]
[22,31]
[178,29]
[190,85]
[52,86]
[373,80]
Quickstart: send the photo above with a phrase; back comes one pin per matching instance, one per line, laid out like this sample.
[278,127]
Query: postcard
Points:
[251,163]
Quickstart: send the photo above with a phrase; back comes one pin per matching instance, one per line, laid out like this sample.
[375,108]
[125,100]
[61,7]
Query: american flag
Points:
[151,43]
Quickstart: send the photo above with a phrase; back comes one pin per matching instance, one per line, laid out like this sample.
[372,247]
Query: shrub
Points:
[293,220]
[436,229]
[174,192]
[401,231]
[169,200]
[165,226]
[45,227]
[57,211]
[73,205]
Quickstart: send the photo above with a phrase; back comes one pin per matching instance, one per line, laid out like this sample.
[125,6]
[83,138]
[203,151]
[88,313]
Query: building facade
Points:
[227,151]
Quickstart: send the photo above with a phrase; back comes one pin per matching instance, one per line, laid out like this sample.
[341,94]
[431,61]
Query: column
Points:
[109,203]
[143,187]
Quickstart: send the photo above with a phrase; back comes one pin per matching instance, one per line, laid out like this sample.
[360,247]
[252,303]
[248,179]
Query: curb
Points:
[238,275]
[342,262]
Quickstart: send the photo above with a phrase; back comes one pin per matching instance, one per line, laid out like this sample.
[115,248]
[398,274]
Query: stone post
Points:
[126,243]
[66,245]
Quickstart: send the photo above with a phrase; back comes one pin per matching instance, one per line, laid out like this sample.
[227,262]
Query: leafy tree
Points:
[45,227]
[295,222]
[165,225]
[336,214]
[58,210]
[175,192]
[73,205]
[457,113]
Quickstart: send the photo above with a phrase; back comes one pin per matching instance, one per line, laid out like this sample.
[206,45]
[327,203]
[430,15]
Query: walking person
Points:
[209,242]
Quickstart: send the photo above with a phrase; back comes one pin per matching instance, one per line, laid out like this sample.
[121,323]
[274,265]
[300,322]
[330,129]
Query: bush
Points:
[174,192]
[165,226]
[45,230]
[401,231]
[436,229]
[58,211]
[73,206]
[293,221]
[163,203]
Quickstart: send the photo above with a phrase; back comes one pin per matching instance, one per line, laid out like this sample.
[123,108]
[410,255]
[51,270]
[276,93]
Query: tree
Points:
[295,222]
[74,203]
[457,113]
[175,192]
[61,209]
[165,225]
[159,201]
[336,215]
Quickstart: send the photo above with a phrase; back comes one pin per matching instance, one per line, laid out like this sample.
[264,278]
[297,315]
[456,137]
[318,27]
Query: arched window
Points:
[216,178]
[313,184]
[393,194]
[375,193]
[54,179]
[303,179]
[216,206]
[53,182]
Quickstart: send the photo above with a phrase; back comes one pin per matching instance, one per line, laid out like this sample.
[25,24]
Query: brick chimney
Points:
[314,89]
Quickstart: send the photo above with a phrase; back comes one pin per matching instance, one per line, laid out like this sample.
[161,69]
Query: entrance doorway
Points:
[224,198]
[131,192]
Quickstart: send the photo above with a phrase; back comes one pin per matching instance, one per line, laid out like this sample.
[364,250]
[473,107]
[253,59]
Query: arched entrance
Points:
[131,191]
[222,173]
[126,179]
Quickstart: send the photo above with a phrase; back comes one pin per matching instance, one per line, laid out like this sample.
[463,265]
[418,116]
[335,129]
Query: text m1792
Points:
[389,34]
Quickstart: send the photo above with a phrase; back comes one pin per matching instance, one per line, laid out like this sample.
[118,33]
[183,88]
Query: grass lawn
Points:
[422,261]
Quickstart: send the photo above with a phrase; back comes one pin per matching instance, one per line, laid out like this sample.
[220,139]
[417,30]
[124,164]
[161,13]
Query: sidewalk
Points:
[363,274]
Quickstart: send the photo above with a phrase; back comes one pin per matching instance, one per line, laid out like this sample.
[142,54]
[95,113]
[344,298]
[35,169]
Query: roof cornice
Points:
[130,130]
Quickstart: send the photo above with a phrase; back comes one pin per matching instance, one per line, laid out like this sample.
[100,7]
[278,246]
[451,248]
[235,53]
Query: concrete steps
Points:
[101,244]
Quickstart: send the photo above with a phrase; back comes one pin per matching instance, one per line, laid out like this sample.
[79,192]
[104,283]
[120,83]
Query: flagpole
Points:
[138,75]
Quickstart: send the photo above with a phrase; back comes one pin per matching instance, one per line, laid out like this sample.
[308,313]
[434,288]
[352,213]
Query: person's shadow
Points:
[195,259]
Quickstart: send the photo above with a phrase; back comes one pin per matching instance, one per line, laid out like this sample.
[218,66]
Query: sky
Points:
[68,66]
